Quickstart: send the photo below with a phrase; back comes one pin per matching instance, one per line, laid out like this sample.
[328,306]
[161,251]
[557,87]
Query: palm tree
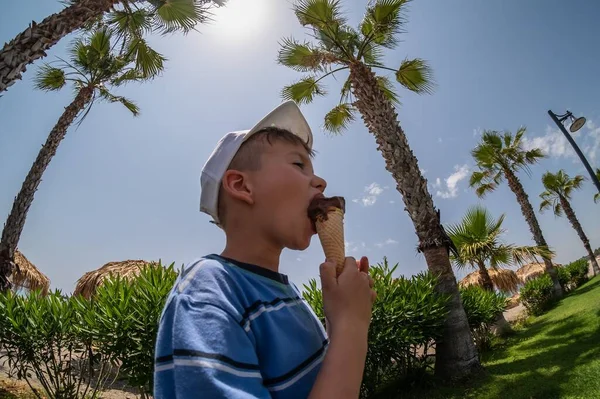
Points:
[477,238]
[500,157]
[338,47]
[146,16]
[92,70]
[557,197]
[597,195]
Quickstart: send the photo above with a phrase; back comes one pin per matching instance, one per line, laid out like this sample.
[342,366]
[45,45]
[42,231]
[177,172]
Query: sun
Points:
[240,19]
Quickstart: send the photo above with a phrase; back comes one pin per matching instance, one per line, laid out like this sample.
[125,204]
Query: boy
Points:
[233,326]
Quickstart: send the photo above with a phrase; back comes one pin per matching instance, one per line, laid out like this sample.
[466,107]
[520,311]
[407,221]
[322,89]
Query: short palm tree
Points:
[559,187]
[338,47]
[478,240]
[93,69]
[134,15]
[501,156]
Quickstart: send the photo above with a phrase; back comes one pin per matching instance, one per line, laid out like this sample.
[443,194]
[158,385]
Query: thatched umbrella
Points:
[90,281]
[28,276]
[503,279]
[532,270]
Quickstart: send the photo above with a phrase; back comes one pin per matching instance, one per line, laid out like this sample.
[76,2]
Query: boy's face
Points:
[283,188]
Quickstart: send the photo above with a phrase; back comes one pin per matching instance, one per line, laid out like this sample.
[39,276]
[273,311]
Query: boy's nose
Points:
[319,183]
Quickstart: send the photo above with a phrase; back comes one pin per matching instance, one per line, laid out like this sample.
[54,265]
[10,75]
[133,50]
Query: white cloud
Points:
[350,247]
[371,192]
[423,171]
[451,191]
[477,132]
[299,259]
[438,183]
[392,202]
[389,241]
[554,144]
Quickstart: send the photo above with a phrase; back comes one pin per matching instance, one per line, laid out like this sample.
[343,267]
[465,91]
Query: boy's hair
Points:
[249,156]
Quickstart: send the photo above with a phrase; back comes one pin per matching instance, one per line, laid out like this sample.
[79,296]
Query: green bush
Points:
[564,278]
[578,272]
[537,294]
[122,319]
[482,308]
[407,317]
[43,337]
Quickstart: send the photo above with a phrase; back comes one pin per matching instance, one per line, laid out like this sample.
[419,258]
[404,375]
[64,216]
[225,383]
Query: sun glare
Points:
[240,19]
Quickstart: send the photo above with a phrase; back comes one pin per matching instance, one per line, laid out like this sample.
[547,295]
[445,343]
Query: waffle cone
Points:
[331,235]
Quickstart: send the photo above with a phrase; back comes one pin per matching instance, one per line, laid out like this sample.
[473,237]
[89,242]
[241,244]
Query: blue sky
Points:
[128,188]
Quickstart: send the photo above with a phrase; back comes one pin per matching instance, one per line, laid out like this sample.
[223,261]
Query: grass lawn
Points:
[556,355]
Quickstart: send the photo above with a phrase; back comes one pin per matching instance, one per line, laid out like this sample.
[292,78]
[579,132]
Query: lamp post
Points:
[575,126]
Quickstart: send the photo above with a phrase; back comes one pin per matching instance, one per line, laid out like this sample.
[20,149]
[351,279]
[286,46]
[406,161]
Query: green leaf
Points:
[383,21]
[177,15]
[148,61]
[416,76]
[319,14]
[339,118]
[303,57]
[130,23]
[303,91]
[49,78]
[387,87]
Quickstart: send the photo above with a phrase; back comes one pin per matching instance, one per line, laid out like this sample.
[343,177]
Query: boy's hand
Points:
[348,299]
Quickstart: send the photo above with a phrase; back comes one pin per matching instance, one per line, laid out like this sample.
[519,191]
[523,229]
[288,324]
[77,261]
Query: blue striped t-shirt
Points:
[236,330]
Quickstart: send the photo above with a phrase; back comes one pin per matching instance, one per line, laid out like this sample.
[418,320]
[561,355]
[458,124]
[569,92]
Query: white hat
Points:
[286,116]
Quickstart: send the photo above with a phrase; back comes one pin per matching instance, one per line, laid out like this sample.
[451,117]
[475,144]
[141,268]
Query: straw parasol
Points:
[90,281]
[503,279]
[27,276]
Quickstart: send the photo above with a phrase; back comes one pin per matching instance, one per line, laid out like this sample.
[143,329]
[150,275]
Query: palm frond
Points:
[127,23]
[346,91]
[526,254]
[339,118]
[416,75]
[303,91]
[130,105]
[147,60]
[319,14]
[177,15]
[99,42]
[372,55]
[303,57]
[49,78]
[383,21]
[387,88]
[533,156]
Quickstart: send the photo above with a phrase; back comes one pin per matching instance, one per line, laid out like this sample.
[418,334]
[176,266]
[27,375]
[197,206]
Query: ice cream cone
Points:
[331,235]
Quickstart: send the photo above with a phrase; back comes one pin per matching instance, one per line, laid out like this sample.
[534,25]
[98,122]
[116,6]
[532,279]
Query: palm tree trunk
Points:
[16,219]
[33,42]
[486,280]
[527,210]
[456,355]
[577,226]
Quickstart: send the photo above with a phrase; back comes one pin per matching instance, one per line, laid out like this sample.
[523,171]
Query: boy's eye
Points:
[299,164]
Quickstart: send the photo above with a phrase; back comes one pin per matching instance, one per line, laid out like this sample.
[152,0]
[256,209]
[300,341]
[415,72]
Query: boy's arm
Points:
[204,352]
[348,302]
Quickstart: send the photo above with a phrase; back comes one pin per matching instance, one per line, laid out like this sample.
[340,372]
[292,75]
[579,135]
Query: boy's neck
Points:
[248,249]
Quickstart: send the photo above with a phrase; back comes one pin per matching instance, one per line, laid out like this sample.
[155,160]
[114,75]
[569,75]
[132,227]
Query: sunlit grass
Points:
[556,355]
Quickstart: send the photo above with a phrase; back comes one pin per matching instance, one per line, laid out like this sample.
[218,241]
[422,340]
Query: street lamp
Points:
[577,123]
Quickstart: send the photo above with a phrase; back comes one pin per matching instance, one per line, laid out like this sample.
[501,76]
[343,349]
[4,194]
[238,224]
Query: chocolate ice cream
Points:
[321,206]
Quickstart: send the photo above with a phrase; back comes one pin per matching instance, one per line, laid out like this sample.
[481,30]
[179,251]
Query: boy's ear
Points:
[238,185]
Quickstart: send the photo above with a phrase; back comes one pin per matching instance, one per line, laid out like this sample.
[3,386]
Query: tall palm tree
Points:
[163,16]
[478,240]
[501,156]
[597,195]
[92,70]
[338,47]
[557,196]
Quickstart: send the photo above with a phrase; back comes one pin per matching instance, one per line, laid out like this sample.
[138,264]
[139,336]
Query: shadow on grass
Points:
[5,394]
[553,357]
[587,287]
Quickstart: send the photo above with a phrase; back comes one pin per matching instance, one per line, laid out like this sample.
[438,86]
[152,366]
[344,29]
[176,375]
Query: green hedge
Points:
[408,316]
[537,294]
[482,308]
